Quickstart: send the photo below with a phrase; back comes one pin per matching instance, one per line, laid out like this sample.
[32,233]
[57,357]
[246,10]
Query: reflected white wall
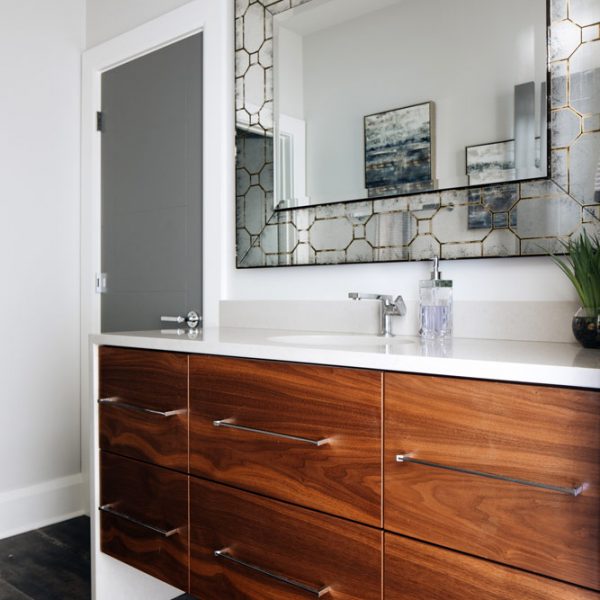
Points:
[466,56]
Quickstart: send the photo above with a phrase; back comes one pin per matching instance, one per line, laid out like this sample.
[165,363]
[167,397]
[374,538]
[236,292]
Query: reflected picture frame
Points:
[494,162]
[399,149]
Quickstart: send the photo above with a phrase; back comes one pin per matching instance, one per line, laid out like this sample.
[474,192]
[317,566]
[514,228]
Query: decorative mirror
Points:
[391,130]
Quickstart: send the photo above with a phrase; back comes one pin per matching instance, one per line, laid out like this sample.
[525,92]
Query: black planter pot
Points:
[586,328]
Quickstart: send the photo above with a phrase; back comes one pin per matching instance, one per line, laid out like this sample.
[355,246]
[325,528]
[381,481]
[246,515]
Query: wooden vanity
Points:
[235,478]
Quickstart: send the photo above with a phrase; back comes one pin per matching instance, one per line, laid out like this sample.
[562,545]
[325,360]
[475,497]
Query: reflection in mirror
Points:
[381,98]
[508,218]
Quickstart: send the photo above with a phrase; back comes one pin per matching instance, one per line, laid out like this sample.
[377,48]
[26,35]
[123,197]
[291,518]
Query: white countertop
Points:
[530,362]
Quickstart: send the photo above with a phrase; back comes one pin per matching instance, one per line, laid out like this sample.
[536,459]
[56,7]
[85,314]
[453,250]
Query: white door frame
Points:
[215,19]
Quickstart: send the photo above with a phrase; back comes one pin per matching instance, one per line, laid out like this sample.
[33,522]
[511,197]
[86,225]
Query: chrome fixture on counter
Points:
[192,319]
[389,308]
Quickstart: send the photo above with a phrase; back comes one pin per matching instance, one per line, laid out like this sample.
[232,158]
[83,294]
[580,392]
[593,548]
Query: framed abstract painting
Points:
[399,149]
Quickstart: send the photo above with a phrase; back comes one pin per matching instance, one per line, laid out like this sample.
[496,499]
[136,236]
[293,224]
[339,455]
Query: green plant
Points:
[582,267]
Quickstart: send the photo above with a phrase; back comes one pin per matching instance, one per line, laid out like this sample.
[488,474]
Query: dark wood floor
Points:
[47,564]
[51,563]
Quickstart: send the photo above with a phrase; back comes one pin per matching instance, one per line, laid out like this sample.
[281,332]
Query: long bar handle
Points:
[295,438]
[108,508]
[318,592]
[148,411]
[570,491]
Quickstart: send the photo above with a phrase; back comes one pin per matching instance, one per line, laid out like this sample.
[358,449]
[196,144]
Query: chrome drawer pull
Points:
[295,438]
[107,508]
[571,491]
[148,411]
[318,592]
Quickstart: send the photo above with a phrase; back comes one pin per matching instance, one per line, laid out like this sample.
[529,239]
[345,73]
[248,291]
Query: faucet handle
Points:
[400,306]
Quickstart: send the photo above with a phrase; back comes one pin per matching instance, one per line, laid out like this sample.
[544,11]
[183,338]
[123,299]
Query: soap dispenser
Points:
[435,305]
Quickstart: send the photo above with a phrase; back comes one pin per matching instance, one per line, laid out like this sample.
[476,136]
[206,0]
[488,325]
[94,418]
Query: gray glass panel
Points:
[152,187]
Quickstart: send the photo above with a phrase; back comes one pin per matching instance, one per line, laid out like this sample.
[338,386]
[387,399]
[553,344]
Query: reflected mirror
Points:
[447,143]
[376,98]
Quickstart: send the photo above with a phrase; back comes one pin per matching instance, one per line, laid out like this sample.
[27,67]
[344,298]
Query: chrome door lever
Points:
[192,319]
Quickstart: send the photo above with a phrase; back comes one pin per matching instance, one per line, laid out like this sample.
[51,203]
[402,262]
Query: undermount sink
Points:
[340,339]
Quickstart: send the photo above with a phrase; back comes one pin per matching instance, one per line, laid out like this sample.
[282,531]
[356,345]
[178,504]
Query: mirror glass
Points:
[376,98]
[453,147]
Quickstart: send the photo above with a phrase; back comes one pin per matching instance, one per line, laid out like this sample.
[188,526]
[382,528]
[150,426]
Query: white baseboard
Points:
[40,505]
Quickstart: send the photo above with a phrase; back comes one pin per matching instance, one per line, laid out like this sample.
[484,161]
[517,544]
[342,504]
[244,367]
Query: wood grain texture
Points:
[148,379]
[418,571]
[154,496]
[541,434]
[304,545]
[342,477]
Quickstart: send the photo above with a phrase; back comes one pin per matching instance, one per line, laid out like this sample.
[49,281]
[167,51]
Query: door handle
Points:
[192,319]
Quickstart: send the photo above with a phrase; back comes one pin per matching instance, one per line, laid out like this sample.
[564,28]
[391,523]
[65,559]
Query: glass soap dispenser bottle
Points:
[435,305]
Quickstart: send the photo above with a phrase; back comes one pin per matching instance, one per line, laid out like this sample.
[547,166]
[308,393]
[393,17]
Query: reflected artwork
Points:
[399,149]
[495,162]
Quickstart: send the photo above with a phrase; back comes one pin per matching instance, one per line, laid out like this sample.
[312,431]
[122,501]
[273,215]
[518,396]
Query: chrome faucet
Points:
[389,308]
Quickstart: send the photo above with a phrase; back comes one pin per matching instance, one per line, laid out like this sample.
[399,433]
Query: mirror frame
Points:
[373,230]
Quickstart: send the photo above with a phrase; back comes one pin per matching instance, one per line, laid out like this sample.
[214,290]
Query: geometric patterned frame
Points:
[514,219]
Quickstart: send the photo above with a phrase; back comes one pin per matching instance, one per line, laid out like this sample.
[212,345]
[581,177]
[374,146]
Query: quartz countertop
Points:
[531,362]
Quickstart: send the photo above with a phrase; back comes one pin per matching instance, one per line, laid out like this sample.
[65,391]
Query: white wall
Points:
[494,279]
[108,18]
[40,45]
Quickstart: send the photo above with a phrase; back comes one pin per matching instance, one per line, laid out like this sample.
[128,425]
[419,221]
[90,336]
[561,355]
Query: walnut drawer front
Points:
[417,571]
[247,547]
[144,517]
[306,434]
[469,432]
[143,405]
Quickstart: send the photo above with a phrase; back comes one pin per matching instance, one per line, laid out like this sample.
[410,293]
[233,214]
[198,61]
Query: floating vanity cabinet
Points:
[504,471]
[144,517]
[143,405]
[245,546]
[307,434]
[417,571]
[490,490]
